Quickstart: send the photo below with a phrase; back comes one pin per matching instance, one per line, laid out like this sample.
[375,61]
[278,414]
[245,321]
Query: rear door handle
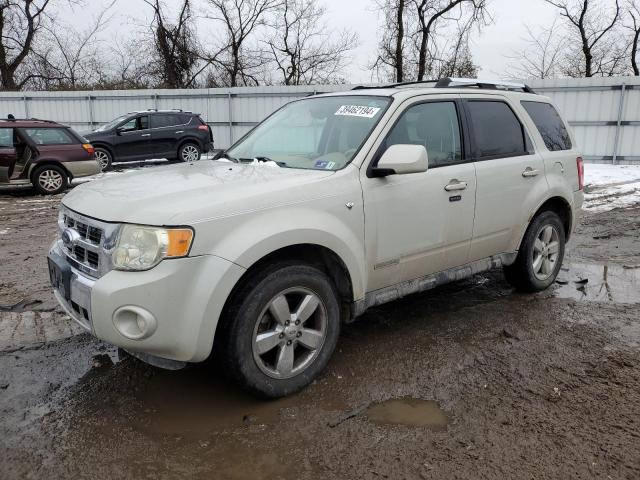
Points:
[455,185]
[180,131]
[145,135]
[530,172]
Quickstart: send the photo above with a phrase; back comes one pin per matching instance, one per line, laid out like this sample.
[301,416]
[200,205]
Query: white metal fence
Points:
[603,112]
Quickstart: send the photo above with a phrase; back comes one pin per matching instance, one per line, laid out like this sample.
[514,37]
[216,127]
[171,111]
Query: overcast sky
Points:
[490,48]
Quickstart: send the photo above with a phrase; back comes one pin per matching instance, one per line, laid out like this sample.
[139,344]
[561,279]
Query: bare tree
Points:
[542,56]
[391,45]
[176,48]
[68,58]
[239,62]
[432,12]
[20,22]
[303,47]
[593,23]
[633,10]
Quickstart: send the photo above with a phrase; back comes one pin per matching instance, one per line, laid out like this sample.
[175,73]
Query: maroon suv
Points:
[44,154]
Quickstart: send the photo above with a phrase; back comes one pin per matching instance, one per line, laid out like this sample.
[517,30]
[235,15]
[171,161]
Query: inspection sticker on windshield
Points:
[324,164]
[358,111]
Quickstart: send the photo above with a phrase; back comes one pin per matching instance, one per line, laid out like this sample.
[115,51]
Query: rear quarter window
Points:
[50,136]
[549,124]
[6,137]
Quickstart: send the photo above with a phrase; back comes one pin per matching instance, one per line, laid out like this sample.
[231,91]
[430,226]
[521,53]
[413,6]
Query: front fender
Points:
[246,239]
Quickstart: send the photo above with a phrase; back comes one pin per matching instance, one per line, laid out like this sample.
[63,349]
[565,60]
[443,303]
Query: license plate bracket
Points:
[60,275]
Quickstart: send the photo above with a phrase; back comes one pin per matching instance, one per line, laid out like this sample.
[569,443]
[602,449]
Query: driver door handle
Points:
[145,135]
[455,185]
[530,172]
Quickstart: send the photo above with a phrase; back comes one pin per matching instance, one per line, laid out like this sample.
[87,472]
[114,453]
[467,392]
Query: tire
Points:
[289,355]
[50,179]
[189,152]
[537,266]
[104,157]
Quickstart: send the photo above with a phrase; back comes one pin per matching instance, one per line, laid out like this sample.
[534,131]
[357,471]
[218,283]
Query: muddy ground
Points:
[468,381]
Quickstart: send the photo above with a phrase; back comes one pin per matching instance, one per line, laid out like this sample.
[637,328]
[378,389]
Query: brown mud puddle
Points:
[599,283]
[192,401]
[408,411]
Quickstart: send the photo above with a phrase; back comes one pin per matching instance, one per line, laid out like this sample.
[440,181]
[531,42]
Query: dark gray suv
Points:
[171,134]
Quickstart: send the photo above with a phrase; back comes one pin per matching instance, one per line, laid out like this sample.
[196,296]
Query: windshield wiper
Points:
[224,154]
[262,159]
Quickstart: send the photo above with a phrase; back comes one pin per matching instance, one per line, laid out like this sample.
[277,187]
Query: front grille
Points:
[87,232]
[88,238]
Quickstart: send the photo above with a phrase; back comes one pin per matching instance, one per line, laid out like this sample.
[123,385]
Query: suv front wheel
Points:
[281,330]
[50,179]
[540,255]
[189,152]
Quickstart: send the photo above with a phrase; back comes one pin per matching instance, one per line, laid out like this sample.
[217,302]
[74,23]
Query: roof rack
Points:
[483,84]
[458,83]
[11,118]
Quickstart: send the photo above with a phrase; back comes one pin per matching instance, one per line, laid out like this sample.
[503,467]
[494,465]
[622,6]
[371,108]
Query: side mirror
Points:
[119,130]
[402,159]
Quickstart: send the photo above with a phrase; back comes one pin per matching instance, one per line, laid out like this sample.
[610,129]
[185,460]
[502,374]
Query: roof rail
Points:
[483,84]
[458,83]
[11,118]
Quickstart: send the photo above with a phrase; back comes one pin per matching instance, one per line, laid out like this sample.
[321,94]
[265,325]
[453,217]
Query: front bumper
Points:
[178,304]
[82,168]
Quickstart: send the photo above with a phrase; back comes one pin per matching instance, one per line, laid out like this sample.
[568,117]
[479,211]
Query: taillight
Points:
[203,127]
[580,165]
[89,148]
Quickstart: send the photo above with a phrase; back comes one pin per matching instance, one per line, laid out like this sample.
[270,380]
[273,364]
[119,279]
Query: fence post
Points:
[618,125]
[91,119]
[230,118]
[26,107]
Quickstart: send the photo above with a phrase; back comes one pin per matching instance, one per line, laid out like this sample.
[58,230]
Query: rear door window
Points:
[159,121]
[49,136]
[496,130]
[549,124]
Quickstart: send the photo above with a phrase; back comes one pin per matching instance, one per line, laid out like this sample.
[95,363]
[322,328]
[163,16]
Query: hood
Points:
[185,193]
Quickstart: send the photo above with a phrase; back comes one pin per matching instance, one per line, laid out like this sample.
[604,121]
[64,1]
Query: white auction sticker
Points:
[358,111]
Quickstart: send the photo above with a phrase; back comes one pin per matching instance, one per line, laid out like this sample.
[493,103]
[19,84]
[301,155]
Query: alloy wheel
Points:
[103,159]
[50,180]
[289,333]
[545,252]
[189,153]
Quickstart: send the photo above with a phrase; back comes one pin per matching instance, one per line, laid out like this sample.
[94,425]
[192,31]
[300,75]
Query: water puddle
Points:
[194,401]
[408,411]
[599,283]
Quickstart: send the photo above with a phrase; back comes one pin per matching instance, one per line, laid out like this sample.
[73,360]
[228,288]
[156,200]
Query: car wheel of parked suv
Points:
[281,330]
[104,158]
[189,152]
[50,179]
[540,255]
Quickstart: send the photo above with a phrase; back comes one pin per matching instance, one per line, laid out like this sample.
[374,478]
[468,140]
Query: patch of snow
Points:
[4,231]
[611,186]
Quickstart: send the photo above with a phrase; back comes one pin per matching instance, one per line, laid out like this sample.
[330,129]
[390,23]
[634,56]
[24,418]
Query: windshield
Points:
[321,133]
[111,124]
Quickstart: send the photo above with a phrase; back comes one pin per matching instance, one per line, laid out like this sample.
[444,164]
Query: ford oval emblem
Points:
[69,237]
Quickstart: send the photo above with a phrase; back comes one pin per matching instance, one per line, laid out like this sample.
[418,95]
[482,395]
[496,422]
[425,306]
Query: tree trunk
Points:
[399,53]
[634,54]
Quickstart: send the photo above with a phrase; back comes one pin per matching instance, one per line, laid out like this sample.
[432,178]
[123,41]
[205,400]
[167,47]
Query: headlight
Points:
[142,248]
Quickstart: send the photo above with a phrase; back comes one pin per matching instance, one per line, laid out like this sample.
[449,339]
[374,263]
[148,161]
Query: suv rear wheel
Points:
[540,256]
[104,158]
[281,330]
[50,179]
[189,152]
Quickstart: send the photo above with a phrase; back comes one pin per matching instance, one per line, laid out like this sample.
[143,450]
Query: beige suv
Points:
[333,204]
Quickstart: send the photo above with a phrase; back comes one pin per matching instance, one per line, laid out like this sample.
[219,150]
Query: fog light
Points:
[134,323]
